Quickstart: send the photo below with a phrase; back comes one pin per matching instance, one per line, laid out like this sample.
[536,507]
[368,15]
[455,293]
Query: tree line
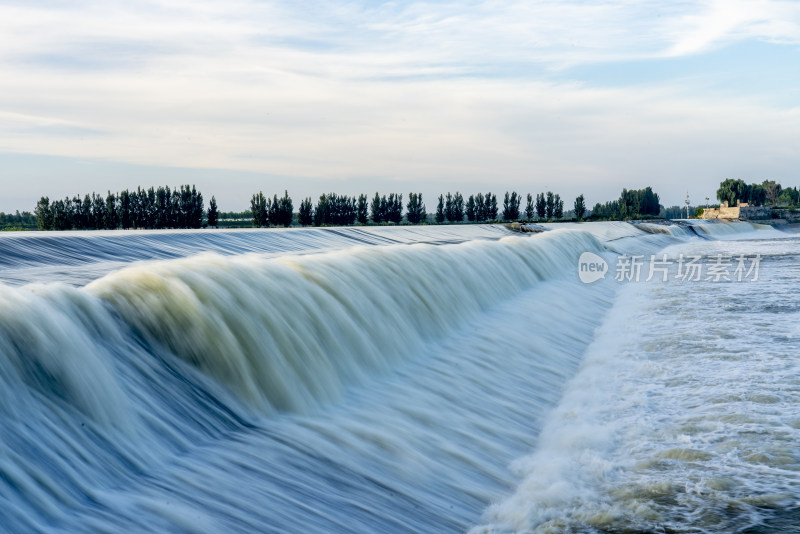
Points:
[275,211]
[631,204]
[679,212]
[150,208]
[182,207]
[344,210]
[17,221]
[735,192]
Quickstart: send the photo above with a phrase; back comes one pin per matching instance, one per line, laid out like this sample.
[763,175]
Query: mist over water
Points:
[428,379]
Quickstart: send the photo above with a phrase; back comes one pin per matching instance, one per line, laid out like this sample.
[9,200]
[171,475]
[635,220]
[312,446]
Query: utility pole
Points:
[687,204]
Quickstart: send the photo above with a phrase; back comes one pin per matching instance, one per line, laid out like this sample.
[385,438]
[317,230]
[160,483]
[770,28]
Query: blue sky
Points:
[240,96]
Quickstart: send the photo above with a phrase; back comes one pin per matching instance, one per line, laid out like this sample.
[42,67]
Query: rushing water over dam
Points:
[408,379]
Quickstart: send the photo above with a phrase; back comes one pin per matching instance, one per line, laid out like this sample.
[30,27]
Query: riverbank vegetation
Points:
[632,204]
[143,208]
[767,193]
[182,207]
[10,222]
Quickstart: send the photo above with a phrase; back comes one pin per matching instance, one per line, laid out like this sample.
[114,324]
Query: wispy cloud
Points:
[373,38]
[720,22]
[433,91]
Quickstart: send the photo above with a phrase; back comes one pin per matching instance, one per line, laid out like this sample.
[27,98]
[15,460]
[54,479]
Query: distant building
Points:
[722,212]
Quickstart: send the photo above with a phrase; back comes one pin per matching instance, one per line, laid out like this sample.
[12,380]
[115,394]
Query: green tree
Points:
[377,207]
[85,216]
[491,207]
[342,209]
[273,207]
[322,211]
[384,208]
[152,209]
[213,213]
[558,207]
[168,216]
[506,207]
[175,209]
[458,207]
[162,208]
[471,209]
[283,209]
[197,207]
[99,214]
[394,208]
[112,213]
[732,191]
[62,214]
[480,207]
[415,208]
[362,213]
[550,205]
[580,207]
[511,206]
[541,206]
[448,207]
[77,212]
[44,214]
[125,215]
[258,209]
[772,190]
[650,204]
[790,196]
[756,195]
[440,210]
[137,219]
[529,209]
[305,216]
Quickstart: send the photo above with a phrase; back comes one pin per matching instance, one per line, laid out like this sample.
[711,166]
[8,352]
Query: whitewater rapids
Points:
[419,379]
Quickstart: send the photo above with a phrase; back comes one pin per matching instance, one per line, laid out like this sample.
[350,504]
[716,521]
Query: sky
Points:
[240,96]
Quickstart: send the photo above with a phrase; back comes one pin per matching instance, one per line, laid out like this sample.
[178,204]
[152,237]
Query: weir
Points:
[356,388]
[680,417]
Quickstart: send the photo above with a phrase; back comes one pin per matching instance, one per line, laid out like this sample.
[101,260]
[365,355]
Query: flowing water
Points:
[409,379]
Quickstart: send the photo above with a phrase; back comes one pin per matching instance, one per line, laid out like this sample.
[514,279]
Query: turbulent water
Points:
[409,379]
